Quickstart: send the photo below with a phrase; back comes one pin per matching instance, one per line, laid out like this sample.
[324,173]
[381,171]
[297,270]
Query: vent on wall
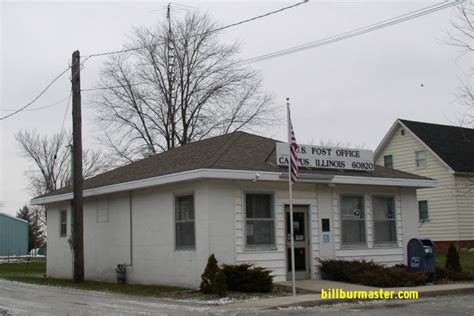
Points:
[102,209]
[402,132]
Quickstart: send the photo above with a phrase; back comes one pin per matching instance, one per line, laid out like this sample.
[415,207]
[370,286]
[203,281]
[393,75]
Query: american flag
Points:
[293,154]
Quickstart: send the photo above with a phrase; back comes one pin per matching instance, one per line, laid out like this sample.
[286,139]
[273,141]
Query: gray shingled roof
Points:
[235,151]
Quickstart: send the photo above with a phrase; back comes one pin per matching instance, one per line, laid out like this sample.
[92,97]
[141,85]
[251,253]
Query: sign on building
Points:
[327,157]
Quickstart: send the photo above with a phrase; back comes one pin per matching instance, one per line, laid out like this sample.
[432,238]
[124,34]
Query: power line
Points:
[292,50]
[138,48]
[65,113]
[184,5]
[204,33]
[39,108]
[334,38]
[176,6]
[112,87]
[355,32]
[23,108]
[38,96]
[259,16]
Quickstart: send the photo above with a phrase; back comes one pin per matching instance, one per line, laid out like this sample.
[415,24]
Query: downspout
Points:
[131,228]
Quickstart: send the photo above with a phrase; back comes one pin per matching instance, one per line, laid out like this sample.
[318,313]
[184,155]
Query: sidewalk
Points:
[315,286]
[315,299]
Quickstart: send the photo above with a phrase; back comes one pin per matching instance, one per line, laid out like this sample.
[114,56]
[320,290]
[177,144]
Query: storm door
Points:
[301,240]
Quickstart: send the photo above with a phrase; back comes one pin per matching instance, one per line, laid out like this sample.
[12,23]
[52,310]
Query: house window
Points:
[388,161]
[353,221]
[102,210]
[184,222]
[259,220]
[63,223]
[423,211]
[420,159]
[385,226]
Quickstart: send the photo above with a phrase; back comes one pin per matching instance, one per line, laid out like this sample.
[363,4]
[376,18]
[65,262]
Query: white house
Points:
[444,153]
[228,195]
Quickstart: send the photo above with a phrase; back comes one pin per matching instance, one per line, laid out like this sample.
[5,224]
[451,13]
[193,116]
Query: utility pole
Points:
[171,78]
[77,228]
[35,232]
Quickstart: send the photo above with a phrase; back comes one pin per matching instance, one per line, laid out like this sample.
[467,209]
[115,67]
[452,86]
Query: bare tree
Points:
[335,143]
[36,227]
[465,97]
[461,35]
[51,158]
[182,85]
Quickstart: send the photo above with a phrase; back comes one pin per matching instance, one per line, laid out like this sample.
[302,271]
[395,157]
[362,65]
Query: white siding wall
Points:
[386,255]
[222,221]
[59,255]
[328,206]
[465,206]
[106,243]
[443,224]
[219,219]
[410,223]
[274,259]
[155,259]
[325,210]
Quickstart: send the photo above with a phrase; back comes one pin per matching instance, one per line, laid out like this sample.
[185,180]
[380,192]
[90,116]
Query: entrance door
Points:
[301,241]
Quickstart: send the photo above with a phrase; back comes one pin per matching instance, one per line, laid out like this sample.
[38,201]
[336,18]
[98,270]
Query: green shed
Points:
[13,236]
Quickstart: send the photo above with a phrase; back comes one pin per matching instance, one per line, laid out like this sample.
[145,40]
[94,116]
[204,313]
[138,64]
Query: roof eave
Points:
[385,139]
[234,175]
[464,174]
[13,217]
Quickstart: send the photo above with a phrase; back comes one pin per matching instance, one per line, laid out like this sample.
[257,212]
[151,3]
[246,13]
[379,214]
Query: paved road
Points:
[20,298]
[446,305]
[29,299]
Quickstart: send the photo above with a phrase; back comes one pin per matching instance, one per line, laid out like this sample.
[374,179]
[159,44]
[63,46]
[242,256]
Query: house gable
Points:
[403,148]
[452,144]
[443,221]
[395,130]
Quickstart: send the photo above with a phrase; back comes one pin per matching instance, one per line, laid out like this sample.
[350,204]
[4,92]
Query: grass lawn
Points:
[465,257]
[35,271]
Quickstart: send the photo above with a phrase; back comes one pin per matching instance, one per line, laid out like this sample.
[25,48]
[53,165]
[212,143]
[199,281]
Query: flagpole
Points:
[292,242]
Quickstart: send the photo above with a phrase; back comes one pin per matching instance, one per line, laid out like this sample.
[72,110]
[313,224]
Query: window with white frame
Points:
[63,223]
[420,158]
[184,222]
[384,221]
[353,220]
[102,210]
[423,211]
[259,220]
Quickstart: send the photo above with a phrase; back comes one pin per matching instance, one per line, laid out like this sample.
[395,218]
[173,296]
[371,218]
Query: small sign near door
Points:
[326,238]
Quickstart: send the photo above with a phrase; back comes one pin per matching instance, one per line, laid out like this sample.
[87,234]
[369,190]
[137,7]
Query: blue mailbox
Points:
[421,256]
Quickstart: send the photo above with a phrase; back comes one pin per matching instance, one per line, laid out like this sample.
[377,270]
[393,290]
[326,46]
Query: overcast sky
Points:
[350,91]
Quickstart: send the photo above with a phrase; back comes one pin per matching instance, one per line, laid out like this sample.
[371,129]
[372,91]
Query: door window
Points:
[298,226]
